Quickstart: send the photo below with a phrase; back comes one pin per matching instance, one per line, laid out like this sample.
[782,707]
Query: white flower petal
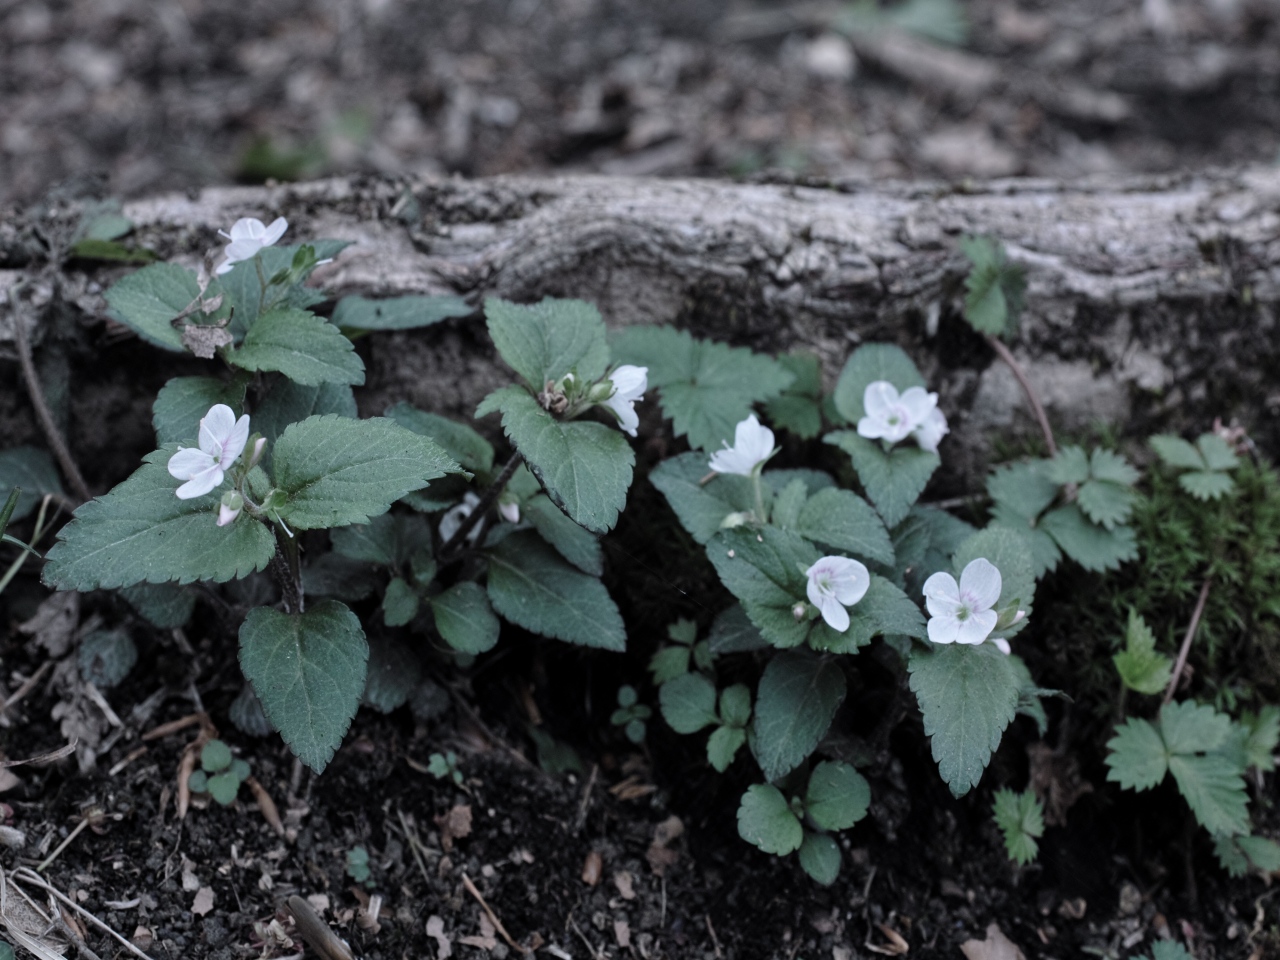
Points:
[234,443]
[226,515]
[873,429]
[201,483]
[917,403]
[274,232]
[942,585]
[943,629]
[247,228]
[879,399]
[630,381]
[943,606]
[976,628]
[1002,645]
[980,582]
[836,616]
[625,410]
[188,462]
[752,445]
[930,433]
[215,427]
[852,580]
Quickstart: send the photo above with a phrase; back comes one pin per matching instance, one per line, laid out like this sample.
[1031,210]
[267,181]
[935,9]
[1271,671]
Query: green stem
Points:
[761,516]
[475,516]
[288,571]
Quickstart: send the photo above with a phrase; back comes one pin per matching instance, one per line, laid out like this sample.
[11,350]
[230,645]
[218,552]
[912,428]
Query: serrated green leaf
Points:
[305,348]
[242,285]
[683,631]
[785,512]
[1089,545]
[795,703]
[585,467]
[837,796]
[799,407]
[1263,854]
[1045,554]
[869,363]
[106,657]
[723,745]
[701,508]
[337,471]
[1136,756]
[733,632]
[1009,552]
[820,858]
[765,819]
[290,402]
[1217,453]
[843,520]
[1230,856]
[397,313]
[1206,485]
[147,301]
[985,306]
[706,387]
[1262,737]
[471,450]
[1106,503]
[1177,452]
[1020,817]
[1111,467]
[465,619]
[1190,727]
[1214,789]
[893,480]
[735,705]
[669,663]
[399,603]
[309,672]
[392,675]
[1023,487]
[884,609]
[183,401]
[31,469]
[1071,465]
[571,541]
[163,605]
[688,703]
[545,340]
[389,540]
[336,576]
[968,696]
[1140,667]
[533,588]
[764,568]
[141,532]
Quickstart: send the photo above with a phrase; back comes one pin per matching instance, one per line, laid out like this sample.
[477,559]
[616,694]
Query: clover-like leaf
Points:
[1136,755]
[688,702]
[837,796]
[701,508]
[1020,817]
[1093,547]
[766,820]
[465,619]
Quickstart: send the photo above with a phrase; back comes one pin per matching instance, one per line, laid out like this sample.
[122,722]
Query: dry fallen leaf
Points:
[660,855]
[485,940]
[454,825]
[435,930]
[896,947]
[622,933]
[203,902]
[996,947]
[54,623]
[625,884]
[592,868]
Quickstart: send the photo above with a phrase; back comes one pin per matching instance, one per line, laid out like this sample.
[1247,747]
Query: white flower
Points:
[752,446]
[222,440]
[961,613]
[836,583]
[931,431]
[894,417]
[510,511]
[247,237]
[453,517]
[629,384]
[230,507]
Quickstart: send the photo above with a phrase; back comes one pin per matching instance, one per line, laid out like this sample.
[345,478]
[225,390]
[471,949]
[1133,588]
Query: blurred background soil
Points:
[130,97]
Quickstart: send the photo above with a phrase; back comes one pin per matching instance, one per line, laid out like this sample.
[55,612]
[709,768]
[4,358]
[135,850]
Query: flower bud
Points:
[602,391]
[230,507]
[259,446]
[736,520]
[800,611]
[510,511]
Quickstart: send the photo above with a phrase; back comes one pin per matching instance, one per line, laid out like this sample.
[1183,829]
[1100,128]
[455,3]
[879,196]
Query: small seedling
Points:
[220,775]
[358,864]
[631,715]
[445,766]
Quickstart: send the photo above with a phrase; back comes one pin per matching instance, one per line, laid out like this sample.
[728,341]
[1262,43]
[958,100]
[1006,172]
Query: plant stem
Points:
[43,413]
[475,516]
[1186,640]
[760,514]
[1007,356]
[285,565]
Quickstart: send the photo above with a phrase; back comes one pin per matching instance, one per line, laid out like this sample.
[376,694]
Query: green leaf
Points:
[968,696]
[1136,756]
[198,782]
[669,663]
[1211,784]
[1088,545]
[215,756]
[795,703]
[1020,817]
[141,531]
[723,745]
[1071,465]
[571,541]
[183,401]
[389,540]
[465,619]
[701,508]
[110,251]
[1110,467]
[1206,485]
[883,610]
[545,340]
[308,670]
[290,402]
[243,287]
[471,450]
[163,605]
[1106,503]
[843,520]
[764,569]
[1140,667]
[893,480]
[837,796]
[333,575]
[766,820]
[1190,727]
[1169,950]
[706,387]
[1023,487]
[399,603]
[305,348]
[820,858]
[1261,738]
[994,287]
[149,299]
[533,588]
[788,504]
[688,703]
[1009,552]
[397,313]
[392,675]
[1263,854]
[106,657]
[1177,452]
[735,705]
[799,407]
[1217,453]
[733,632]
[584,466]
[869,363]
[337,471]
[34,472]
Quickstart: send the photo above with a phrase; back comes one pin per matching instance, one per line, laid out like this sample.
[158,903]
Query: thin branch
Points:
[475,516]
[1007,356]
[1186,640]
[43,413]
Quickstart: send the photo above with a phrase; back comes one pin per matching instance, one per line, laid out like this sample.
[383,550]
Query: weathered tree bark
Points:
[1151,302]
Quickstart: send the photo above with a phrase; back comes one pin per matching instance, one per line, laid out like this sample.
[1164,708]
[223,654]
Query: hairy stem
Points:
[761,517]
[1186,640]
[284,564]
[1007,356]
[43,413]
[475,516]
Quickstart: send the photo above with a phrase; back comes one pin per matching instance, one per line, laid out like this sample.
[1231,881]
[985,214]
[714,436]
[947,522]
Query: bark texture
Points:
[1151,302]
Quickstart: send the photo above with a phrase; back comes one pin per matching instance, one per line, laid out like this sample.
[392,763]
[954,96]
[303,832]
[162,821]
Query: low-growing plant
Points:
[220,774]
[444,766]
[358,865]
